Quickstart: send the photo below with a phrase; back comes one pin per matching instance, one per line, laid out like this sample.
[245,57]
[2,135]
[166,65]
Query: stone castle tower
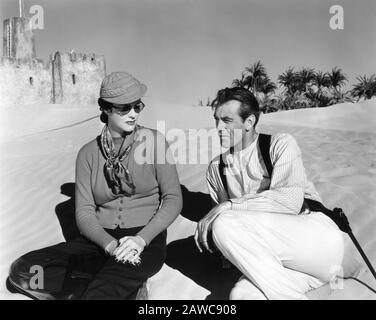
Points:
[18,39]
[76,77]
[67,78]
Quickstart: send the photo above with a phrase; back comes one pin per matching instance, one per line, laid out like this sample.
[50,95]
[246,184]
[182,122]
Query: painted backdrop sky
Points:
[186,50]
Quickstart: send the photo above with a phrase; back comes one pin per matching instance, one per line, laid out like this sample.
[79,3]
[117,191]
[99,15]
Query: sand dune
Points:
[39,145]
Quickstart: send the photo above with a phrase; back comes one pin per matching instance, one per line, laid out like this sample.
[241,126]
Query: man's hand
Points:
[130,249]
[205,224]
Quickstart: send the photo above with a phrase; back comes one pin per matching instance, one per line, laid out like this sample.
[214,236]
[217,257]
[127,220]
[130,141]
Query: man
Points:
[257,222]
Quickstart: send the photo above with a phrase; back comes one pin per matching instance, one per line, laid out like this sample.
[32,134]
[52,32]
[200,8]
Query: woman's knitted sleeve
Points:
[86,219]
[170,191]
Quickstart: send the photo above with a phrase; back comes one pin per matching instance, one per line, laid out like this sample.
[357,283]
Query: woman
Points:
[124,204]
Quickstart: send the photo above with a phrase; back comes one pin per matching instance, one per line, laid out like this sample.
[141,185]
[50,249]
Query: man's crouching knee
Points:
[223,228]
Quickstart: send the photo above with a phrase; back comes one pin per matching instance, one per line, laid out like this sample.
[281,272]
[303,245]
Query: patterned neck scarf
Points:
[117,175]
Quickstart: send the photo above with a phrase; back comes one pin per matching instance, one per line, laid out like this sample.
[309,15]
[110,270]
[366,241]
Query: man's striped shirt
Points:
[249,186]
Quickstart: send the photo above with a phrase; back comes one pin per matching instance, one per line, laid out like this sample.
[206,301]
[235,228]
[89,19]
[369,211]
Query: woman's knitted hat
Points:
[121,88]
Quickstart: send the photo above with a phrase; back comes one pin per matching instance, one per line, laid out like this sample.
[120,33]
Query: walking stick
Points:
[340,218]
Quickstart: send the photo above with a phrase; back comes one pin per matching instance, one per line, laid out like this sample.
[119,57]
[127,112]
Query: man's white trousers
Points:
[281,256]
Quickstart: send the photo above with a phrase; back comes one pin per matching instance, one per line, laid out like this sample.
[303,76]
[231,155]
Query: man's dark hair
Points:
[104,105]
[248,102]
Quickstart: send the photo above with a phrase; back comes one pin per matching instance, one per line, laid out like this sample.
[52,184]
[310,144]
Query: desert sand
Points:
[39,145]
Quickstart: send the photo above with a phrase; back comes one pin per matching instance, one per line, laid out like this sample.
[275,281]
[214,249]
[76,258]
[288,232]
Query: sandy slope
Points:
[39,145]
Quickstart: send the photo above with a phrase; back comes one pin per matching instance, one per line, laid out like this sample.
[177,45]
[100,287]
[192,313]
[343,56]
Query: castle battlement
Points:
[79,57]
[16,63]
[74,58]
[67,77]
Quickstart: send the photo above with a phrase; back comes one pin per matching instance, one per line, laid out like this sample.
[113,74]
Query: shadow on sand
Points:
[65,212]
[203,268]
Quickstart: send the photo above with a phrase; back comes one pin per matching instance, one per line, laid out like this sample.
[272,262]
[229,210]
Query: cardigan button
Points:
[120,209]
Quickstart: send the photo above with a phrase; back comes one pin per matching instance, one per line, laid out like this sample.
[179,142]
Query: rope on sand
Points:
[360,281]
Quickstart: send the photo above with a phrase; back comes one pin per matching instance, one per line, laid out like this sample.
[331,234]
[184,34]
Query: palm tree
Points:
[341,97]
[365,88]
[288,80]
[274,103]
[256,80]
[266,86]
[239,82]
[306,76]
[337,78]
[254,77]
[321,80]
[319,99]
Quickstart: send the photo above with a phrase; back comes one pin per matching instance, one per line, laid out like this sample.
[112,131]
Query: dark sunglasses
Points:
[126,108]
